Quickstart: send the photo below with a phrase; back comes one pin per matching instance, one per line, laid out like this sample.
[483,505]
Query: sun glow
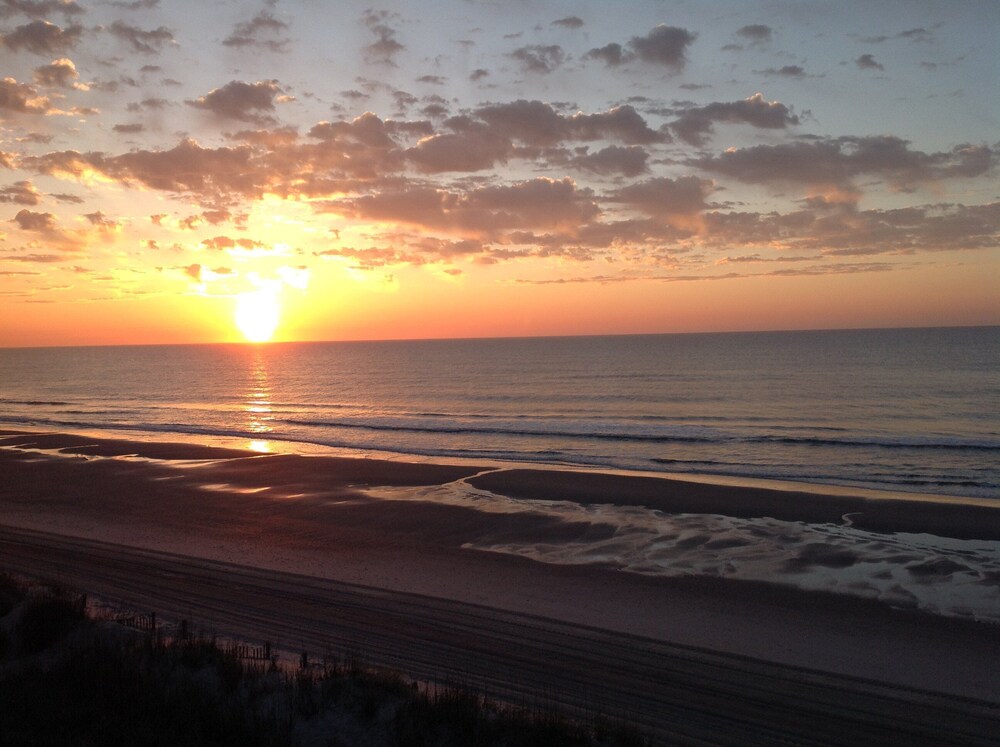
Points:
[257,315]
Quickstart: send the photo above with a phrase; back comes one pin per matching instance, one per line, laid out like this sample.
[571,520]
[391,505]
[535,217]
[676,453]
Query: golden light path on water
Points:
[257,404]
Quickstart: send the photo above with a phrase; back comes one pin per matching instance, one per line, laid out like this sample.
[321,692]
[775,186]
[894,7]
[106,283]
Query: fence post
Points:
[267,649]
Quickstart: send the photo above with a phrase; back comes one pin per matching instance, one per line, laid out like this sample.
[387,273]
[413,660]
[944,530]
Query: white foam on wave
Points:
[942,575]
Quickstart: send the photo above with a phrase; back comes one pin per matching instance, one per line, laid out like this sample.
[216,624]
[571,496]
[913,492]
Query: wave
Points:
[33,402]
[601,431]
[960,481]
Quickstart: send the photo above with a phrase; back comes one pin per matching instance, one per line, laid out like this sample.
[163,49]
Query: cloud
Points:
[188,168]
[538,58]
[621,122]
[612,54]
[42,37]
[147,42]
[569,22]
[787,71]
[59,73]
[614,159]
[531,122]
[537,123]
[756,33]
[152,102]
[22,98]
[385,47]
[241,101]
[263,31]
[133,4]
[481,212]
[475,149]
[919,34]
[28,220]
[478,74]
[20,193]
[840,230]
[666,198]
[101,221]
[664,45]
[836,161]
[694,126]
[867,62]
[40,8]
[128,129]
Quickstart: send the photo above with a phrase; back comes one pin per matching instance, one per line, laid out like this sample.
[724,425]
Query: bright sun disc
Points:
[257,315]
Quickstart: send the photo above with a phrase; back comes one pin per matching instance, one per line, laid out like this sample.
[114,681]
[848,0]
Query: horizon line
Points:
[272,343]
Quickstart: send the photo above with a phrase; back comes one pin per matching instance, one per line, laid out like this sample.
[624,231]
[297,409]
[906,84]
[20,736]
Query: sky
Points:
[175,172]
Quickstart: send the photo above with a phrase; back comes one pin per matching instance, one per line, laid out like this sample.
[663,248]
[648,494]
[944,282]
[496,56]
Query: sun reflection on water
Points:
[257,403]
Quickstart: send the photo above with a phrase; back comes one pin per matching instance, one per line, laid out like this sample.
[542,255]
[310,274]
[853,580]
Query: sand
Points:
[318,517]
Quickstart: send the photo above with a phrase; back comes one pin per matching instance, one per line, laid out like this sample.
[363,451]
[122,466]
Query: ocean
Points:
[912,410]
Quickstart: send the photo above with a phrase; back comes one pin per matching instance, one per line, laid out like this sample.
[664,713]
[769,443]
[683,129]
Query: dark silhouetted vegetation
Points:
[69,679]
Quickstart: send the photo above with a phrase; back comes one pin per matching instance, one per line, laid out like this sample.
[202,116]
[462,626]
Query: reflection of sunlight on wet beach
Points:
[264,447]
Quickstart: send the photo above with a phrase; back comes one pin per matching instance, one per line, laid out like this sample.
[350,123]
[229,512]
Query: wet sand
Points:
[315,517]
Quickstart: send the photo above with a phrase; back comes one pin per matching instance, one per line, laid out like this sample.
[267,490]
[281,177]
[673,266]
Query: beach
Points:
[373,525]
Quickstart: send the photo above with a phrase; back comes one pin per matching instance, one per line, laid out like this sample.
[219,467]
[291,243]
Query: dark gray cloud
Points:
[664,45]
[614,160]
[695,125]
[868,62]
[42,37]
[141,40]
[837,161]
[128,129]
[40,8]
[666,198]
[569,22]
[474,149]
[919,34]
[263,31]
[385,47]
[756,33]
[133,4]
[538,58]
[483,212]
[787,71]
[537,123]
[612,54]
[246,102]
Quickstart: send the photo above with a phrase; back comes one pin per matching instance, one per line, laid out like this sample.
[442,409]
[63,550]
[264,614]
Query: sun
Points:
[257,315]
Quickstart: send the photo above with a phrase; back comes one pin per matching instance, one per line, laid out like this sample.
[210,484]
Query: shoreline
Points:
[377,523]
[880,511]
[264,447]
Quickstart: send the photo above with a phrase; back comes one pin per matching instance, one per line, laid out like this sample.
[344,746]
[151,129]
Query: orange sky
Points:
[458,171]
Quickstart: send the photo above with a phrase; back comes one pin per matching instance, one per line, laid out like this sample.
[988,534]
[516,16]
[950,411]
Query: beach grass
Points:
[67,677]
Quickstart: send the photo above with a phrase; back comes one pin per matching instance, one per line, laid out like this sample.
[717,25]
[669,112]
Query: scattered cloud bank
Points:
[482,150]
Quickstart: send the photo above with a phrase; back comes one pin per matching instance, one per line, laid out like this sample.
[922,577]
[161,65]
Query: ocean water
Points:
[913,410]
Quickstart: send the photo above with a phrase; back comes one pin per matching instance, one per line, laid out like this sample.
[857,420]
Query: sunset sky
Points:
[457,168]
